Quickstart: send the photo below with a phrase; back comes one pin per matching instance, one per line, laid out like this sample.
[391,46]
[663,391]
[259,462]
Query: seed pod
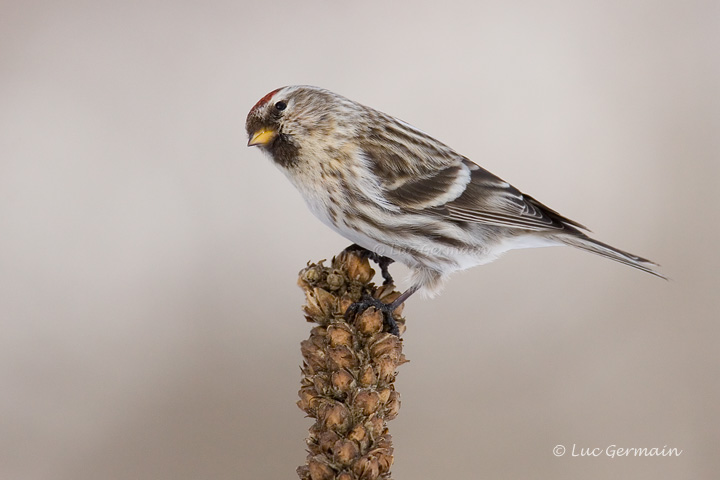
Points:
[321,383]
[317,334]
[337,418]
[374,426]
[392,407]
[319,469]
[345,451]
[326,441]
[342,380]
[367,402]
[367,376]
[345,302]
[340,334]
[366,468]
[342,357]
[386,343]
[314,355]
[303,472]
[370,321]
[386,366]
[384,394]
[312,307]
[383,442]
[335,281]
[358,268]
[309,276]
[385,461]
[357,434]
[327,301]
[308,399]
[385,293]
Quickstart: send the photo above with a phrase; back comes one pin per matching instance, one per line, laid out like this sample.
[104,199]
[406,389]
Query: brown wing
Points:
[464,191]
[488,199]
[419,173]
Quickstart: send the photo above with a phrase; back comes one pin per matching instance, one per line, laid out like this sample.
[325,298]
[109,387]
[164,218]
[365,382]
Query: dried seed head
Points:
[340,334]
[357,434]
[358,268]
[317,334]
[385,461]
[370,321]
[308,399]
[345,302]
[384,442]
[386,343]
[303,472]
[310,276]
[374,426]
[386,366]
[384,394]
[367,376]
[367,402]
[321,383]
[326,441]
[336,418]
[335,281]
[312,307]
[326,300]
[313,354]
[348,374]
[342,357]
[342,380]
[319,469]
[345,451]
[385,293]
[392,406]
[366,468]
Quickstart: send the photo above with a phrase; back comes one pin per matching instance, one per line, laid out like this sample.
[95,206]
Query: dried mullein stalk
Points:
[348,373]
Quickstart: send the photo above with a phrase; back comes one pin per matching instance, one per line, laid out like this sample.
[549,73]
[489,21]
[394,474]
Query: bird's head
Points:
[295,118]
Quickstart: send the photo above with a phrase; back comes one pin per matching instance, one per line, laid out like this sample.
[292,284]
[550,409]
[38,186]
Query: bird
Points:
[401,195]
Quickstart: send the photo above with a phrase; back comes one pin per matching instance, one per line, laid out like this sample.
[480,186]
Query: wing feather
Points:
[461,190]
[489,199]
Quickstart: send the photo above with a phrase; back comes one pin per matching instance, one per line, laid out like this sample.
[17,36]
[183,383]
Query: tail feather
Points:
[588,244]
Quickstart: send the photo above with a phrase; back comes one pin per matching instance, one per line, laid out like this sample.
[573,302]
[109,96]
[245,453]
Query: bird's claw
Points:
[387,310]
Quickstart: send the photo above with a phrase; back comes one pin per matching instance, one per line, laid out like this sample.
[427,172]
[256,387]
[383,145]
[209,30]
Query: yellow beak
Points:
[262,137]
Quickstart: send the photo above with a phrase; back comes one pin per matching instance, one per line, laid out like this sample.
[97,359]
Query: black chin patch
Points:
[284,152]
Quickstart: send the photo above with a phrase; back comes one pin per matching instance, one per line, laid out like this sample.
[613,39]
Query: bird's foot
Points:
[381,261]
[387,310]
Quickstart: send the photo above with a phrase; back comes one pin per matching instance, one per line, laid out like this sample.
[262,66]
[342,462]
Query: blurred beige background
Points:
[149,317]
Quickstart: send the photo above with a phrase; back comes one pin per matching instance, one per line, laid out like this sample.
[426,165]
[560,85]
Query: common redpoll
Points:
[400,194]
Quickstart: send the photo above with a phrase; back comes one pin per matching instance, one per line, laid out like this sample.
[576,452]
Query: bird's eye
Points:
[280,106]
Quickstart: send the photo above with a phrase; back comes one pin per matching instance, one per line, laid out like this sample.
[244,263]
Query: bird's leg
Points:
[382,262]
[387,309]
